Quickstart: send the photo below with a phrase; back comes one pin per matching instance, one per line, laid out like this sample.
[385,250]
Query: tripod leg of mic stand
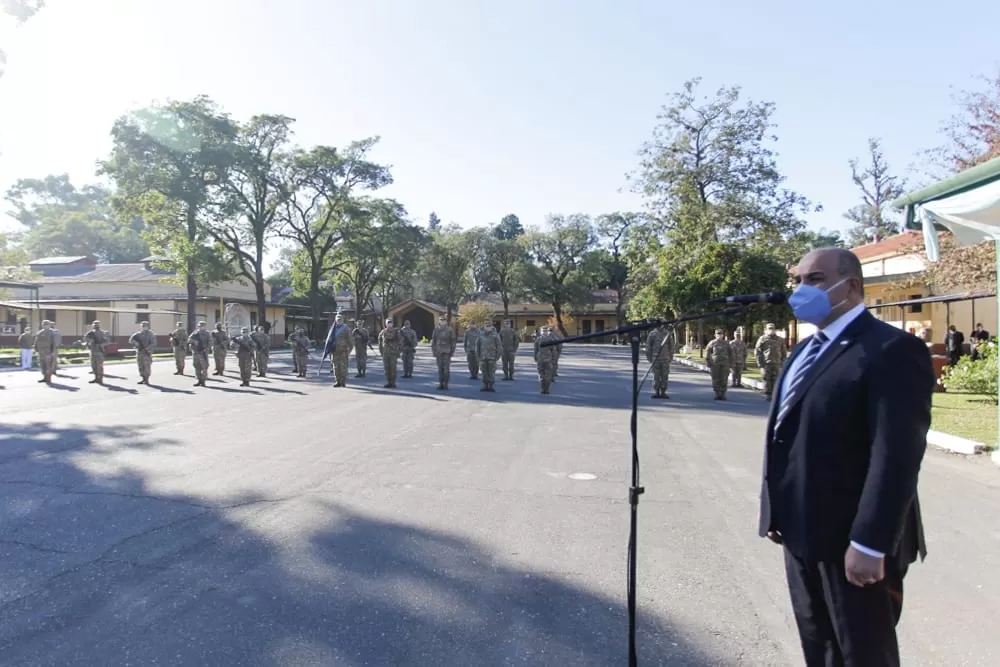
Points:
[634,492]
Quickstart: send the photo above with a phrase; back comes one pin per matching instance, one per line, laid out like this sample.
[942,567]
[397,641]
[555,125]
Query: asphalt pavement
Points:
[294,523]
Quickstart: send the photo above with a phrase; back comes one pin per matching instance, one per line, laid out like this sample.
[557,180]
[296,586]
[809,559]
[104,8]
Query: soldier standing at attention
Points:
[510,341]
[489,348]
[47,347]
[179,342]
[361,342]
[245,348]
[739,357]
[443,343]
[200,342]
[25,342]
[719,357]
[544,360]
[263,342]
[659,353]
[95,340]
[300,351]
[770,354]
[409,348]
[338,344]
[389,343]
[469,343]
[144,341]
[220,344]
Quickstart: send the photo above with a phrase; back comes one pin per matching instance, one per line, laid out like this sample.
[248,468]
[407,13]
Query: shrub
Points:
[974,377]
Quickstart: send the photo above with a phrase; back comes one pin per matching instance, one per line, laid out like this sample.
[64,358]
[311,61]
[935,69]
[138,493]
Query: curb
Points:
[746,382]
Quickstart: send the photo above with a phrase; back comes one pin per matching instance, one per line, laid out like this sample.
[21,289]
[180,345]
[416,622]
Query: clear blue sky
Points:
[487,108]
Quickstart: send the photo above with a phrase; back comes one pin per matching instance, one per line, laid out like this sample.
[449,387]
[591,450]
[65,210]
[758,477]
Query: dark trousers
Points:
[840,624]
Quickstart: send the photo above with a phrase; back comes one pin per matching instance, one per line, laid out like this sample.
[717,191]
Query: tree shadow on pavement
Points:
[99,566]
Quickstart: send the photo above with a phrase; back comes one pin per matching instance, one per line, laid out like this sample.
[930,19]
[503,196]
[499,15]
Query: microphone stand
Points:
[634,489]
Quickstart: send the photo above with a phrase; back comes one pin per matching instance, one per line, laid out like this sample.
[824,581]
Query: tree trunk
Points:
[261,301]
[506,305]
[191,266]
[314,299]
[557,309]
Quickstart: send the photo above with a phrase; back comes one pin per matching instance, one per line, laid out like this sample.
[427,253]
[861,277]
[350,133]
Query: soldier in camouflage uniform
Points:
[739,348]
[719,357]
[200,342]
[179,343]
[510,341]
[339,343]
[489,348]
[443,343]
[220,345]
[409,348]
[390,341]
[96,340]
[770,354]
[47,347]
[361,342]
[544,360]
[263,353]
[144,342]
[469,343]
[659,353]
[245,348]
[300,351]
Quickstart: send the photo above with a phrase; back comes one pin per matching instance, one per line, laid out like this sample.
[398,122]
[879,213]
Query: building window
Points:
[141,317]
[586,327]
[599,325]
[88,317]
[11,317]
[529,323]
[49,315]
[917,307]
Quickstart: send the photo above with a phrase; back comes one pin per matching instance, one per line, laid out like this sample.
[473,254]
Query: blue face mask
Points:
[812,304]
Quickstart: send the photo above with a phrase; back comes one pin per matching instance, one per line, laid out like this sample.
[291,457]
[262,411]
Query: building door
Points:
[586,327]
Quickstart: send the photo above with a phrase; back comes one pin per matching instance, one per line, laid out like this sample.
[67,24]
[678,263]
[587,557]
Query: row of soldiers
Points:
[483,347]
[727,358]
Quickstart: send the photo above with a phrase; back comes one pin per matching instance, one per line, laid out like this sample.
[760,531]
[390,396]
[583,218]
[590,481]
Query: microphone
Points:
[766,297]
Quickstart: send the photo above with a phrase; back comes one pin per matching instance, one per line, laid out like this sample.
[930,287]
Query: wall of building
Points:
[964,315]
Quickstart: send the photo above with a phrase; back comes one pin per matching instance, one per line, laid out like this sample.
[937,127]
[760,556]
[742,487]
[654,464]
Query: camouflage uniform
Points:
[361,342]
[719,357]
[489,348]
[245,348]
[200,342]
[443,343]
[469,343]
[95,340]
[409,348]
[220,344]
[300,352]
[544,360]
[263,353]
[739,348]
[47,347]
[660,352]
[179,343]
[389,343]
[144,342]
[510,341]
[341,352]
[770,354]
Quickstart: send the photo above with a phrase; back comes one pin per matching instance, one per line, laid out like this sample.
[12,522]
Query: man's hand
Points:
[775,537]
[862,569]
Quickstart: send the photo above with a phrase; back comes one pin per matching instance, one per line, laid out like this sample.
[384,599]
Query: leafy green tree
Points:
[433,222]
[168,162]
[251,197]
[509,228]
[710,175]
[873,218]
[447,268]
[559,273]
[401,247]
[615,233]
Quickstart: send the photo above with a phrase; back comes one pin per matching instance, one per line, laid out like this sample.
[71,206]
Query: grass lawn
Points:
[969,416]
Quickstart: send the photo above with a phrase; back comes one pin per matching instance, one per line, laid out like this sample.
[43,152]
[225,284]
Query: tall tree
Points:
[509,228]
[447,269]
[401,245]
[873,218]
[168,162]
[972,133]
[710,175]
[559,275]
[502,263]
[615,232]
[433,222]
[320,184]
[251,197]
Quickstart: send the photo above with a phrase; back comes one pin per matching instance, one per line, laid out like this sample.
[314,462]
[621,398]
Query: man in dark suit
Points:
[845,440]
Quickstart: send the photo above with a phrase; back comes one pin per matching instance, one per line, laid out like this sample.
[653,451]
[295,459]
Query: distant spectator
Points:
[953,341]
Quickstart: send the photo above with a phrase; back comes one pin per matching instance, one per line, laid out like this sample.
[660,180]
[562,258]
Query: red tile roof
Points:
[899,244]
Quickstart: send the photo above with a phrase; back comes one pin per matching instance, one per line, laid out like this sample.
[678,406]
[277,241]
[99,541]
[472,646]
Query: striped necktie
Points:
[808,358]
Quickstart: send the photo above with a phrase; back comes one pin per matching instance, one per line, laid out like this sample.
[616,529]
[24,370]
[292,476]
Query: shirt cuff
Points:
[867,551]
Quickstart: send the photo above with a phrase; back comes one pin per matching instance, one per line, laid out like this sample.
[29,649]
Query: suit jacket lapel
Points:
[776,397]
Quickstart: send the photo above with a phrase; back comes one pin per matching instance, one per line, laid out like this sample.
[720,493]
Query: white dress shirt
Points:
[832,331]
